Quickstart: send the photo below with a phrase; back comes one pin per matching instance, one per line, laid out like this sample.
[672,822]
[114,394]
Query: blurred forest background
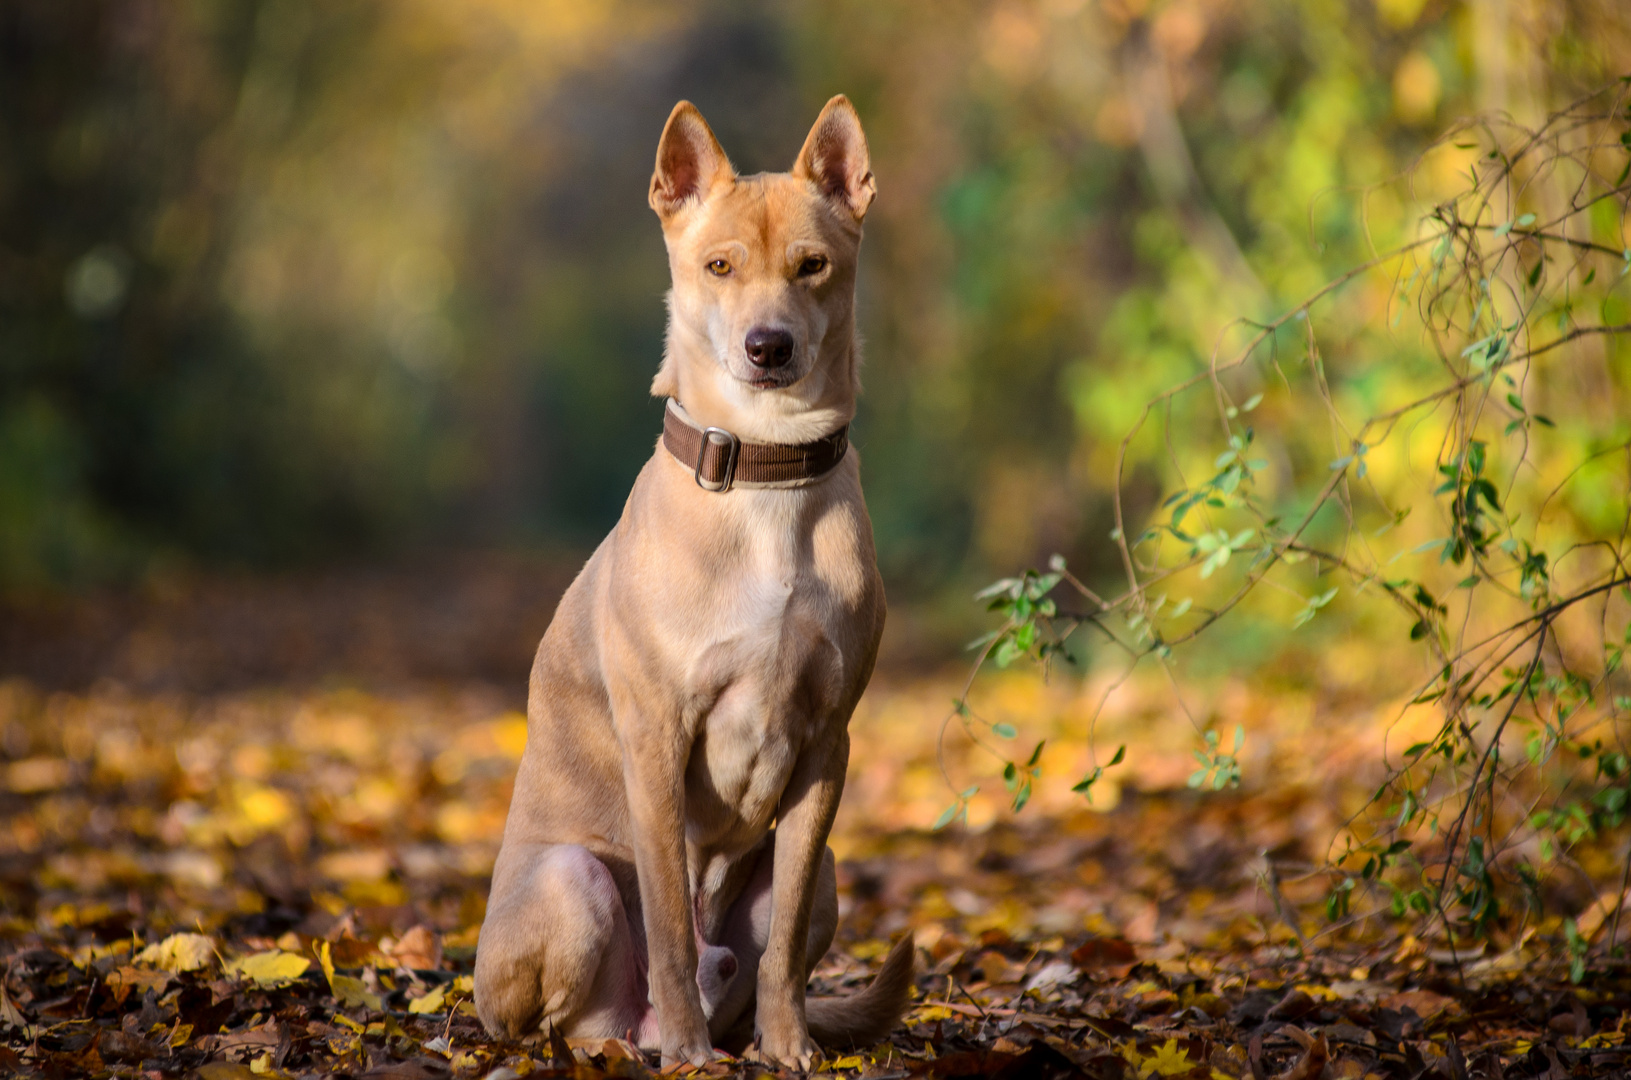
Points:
[289,284]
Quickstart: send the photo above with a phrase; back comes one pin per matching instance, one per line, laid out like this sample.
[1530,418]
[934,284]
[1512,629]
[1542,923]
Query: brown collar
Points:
[720,461]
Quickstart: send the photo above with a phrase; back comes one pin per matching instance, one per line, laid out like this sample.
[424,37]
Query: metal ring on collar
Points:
[727,439]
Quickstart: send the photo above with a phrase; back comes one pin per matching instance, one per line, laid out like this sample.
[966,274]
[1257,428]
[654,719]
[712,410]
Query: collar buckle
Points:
[732,455]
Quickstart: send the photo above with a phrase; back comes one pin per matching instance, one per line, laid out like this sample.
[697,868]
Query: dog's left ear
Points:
[835,158]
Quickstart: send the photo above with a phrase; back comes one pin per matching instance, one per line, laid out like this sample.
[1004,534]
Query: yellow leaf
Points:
[1169,1060]
[851,1062]
[179,952]
[353,993]
[349,992]
[928,1014]
[273,968]
[430,1002]
[1317,992]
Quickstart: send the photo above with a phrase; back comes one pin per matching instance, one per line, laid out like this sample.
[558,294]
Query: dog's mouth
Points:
[772,380]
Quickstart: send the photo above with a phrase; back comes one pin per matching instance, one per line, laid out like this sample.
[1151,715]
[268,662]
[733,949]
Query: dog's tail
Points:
[864,1018]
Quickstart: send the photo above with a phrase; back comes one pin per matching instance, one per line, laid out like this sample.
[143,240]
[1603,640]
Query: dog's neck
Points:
[813,408]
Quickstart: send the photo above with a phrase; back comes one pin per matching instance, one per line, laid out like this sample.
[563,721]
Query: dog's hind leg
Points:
[856,1020]
[555,948]
[747,934]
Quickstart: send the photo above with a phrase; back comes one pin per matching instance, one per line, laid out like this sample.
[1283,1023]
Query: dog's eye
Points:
[812,265]
[719,268]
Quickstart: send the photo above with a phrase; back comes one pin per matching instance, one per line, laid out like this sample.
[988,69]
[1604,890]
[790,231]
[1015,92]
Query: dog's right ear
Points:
[689,162]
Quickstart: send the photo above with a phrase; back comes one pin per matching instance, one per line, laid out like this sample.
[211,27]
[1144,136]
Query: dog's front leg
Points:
[803,821]
[655,779]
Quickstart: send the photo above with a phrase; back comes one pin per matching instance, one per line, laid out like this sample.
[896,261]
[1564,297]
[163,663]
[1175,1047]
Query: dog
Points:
[664,874]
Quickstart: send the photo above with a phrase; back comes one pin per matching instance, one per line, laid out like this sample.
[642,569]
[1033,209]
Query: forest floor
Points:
[237,875]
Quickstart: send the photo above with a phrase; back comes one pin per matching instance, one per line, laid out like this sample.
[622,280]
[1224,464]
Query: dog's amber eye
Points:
[719,268]
[812,265]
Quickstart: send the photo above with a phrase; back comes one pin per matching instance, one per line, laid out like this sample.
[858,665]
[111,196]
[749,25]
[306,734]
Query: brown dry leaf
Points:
[1424,1003]
[226,1070]
[121,981]
[419,948]
[1114,956]
[1315,1053]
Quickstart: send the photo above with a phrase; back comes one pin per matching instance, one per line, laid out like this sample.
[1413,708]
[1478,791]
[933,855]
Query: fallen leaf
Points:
[122,980]
[419,948]
[225,1070]
[1424,1003]
[1169,1059]
[9,1013]
[430,1002]
[179,953]
[273,968]
[1315,1052]
[1114,955]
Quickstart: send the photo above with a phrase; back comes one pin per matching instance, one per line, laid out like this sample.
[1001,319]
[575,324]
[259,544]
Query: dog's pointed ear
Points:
[689,162]
[835,158]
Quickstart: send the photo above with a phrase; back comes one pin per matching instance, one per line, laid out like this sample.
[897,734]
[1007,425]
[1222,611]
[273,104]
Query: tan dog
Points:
[696,685]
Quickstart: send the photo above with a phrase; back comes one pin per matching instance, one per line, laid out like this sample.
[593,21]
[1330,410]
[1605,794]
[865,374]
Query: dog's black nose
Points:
[769,348]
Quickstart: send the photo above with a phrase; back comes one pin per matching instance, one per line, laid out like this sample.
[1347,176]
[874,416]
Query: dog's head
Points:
[761,334]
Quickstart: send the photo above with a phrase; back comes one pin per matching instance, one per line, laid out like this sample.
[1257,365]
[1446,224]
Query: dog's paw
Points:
[688,1055]
[798,1053]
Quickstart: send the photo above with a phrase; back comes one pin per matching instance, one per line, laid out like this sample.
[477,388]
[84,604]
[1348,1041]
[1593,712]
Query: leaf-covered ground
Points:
[290,882]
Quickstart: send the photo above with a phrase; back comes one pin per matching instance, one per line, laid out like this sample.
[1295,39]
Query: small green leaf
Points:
[1007,731]
[945,817]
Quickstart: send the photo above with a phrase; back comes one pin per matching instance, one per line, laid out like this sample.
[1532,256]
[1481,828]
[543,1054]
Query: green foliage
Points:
[1523,612]
[1219,769]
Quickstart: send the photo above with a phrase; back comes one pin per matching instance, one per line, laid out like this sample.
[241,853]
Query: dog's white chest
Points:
[772,676]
